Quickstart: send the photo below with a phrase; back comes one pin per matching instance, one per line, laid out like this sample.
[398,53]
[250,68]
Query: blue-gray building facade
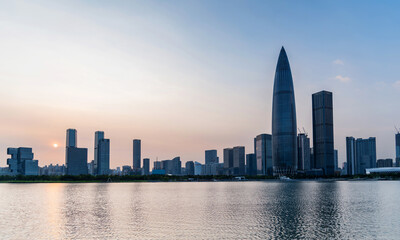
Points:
[303,144]
[239,166]
[211,156]
[101,154]
[137,154]
[22,162]
[284,125]
[251,164]
[146,166]
[263,154]
[361,154]
[323,144]
[75,158]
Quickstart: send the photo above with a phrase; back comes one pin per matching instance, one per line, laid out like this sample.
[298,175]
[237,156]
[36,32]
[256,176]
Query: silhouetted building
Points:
[173,167]
[211,156]
[101,154]
[361,154]
[189,168]
[239,166]
[198,168]
[336,159]
[303,144]
[146,166]
[71,138]
[351,155]
[76,161]
[380,163]
[251,164]
[228,161]
[284,126]
[75,158]
[322,106]
[263,154]
[126,170]
[21,161]
[52,170]
[137,154]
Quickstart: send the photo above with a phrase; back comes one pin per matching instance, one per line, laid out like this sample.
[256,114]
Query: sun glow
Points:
[55,145]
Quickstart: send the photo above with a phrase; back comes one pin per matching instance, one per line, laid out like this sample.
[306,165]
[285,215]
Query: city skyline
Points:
[44,93]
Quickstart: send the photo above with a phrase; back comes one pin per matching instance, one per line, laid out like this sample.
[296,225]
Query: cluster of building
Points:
[286,151]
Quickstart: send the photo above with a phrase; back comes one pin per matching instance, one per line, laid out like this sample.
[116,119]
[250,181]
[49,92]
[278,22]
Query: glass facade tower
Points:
[322,117]
[284,126]
[398,149]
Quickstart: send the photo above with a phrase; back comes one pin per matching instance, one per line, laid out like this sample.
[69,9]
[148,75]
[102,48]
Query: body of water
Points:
[201,210]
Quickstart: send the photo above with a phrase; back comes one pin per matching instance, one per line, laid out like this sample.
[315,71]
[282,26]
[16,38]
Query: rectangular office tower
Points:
[239,167]
[189,168]
[137,152]
[101,154]
[251,164]
[211,156]
[322,117]
[75,158]
[146,166]
[361,154]
[228,161]
[398,149]
[263,152]
[303,146]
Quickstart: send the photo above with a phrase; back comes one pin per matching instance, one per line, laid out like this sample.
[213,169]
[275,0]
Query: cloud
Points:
[338,62]
[397,84]
[343,79]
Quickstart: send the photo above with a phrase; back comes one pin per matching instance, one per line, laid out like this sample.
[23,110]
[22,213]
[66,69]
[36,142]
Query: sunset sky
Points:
[186,76]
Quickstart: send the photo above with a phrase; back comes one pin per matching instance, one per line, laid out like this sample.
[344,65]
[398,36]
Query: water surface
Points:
[201,210]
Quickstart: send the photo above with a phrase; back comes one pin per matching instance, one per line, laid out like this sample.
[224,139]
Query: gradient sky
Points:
[185,76]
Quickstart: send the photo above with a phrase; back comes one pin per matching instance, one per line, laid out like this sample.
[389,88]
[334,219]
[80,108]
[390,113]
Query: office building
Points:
[336,159]
[173,167]
[251,164]
[380,163]
[146,166]
[75,158]
[239,166]
[361,154]
[263,154]
[322,118]
[284,125]
[21,161]
[101,154]
[228,161]
[211,156]
[198,168]
[351,155]
[189,168]
[303,146]
[136,154]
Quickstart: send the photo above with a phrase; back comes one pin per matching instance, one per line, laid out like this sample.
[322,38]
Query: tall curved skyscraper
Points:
[284,127]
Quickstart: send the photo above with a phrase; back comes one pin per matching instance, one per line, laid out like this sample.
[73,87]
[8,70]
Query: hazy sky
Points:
[185,76]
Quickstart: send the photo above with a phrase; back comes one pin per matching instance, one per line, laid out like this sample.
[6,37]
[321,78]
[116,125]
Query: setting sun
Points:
[55,145]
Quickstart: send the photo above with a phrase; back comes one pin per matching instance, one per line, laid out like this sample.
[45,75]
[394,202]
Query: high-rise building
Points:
[76,161]
[198,168]
[284,125]
[239,166]
[303,144]
[71,138]
[263,153]
[21,161]
[351,155]
[136,154]
[173,167]
[101,154]
[365,154]
[397,149]
[228,161]
[336,159]
[251,164]
[75,158]
[211,156]
[189,168]
[361,154]
[146,166]
[380,163]
[322,116]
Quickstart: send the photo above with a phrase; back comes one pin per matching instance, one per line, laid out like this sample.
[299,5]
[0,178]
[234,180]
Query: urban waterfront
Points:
[201,210]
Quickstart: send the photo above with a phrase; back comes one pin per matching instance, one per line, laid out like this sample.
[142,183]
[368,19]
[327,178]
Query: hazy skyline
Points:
[186,76]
